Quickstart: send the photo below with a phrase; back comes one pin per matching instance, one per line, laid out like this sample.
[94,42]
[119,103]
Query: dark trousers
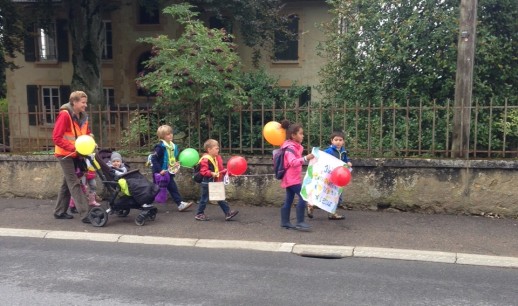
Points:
[71,187]
[205,198]
[291,191]
[173,191]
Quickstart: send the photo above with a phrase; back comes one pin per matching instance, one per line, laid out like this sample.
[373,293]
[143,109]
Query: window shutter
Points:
[29,45]
[305,97]
[64,94]
[62,39]
[32,103]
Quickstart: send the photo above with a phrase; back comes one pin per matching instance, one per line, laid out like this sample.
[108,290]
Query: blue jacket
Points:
[341,155]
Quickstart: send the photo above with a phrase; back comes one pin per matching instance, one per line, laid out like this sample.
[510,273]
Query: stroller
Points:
[130,190]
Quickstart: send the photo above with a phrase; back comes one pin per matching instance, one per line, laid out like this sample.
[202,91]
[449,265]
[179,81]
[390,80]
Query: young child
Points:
[337,150]
[212,170]
[292,179]
[118,167]
[164,160]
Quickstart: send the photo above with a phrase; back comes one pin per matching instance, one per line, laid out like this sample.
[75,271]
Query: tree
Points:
[404,53]
[199,72]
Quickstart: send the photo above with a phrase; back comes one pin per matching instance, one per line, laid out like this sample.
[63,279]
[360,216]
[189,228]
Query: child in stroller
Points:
[130,190]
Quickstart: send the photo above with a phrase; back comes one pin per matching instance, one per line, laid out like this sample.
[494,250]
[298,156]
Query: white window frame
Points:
[108,43]
[47,44]
[50,103]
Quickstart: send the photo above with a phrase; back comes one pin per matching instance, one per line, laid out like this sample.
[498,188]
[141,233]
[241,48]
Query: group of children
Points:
[164,161]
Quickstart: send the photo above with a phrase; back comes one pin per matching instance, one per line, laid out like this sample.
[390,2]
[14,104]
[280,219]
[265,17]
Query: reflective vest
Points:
[71,136]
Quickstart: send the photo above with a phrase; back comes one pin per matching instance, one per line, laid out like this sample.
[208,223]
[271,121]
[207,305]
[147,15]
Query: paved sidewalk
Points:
[363,233]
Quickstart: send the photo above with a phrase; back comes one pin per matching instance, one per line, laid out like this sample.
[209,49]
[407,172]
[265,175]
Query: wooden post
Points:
[464,78]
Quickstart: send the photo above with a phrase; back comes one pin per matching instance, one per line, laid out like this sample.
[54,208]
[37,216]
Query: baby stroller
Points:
[130,190]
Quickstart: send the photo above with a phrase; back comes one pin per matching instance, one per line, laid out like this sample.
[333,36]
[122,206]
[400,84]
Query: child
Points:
[337,150]
[292,179]
[118,167]
[89,177]
[212,170]
[163,160]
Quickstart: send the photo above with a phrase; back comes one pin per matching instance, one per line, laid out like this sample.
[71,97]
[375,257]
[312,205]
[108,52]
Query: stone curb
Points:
[307,250]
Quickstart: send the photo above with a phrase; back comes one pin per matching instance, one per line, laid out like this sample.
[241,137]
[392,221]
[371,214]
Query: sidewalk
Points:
[364,233]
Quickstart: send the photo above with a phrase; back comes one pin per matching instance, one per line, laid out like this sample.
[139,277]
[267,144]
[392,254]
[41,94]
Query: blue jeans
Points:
[291,191]
[205,198]
[173,191]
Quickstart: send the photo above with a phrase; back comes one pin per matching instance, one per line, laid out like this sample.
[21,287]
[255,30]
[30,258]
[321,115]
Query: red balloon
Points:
[340,176]
[237,165]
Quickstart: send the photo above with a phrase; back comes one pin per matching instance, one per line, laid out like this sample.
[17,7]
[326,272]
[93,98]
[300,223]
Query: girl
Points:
[292,179]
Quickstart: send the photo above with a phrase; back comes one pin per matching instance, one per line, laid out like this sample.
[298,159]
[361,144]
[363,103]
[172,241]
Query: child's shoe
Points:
[310,211]
[303,226]
[73,210]
[335,216]
[201,217]
[231,215]
[184,205]
[92,201]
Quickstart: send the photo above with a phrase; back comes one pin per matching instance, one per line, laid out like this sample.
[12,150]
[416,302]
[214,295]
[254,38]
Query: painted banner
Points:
[317,189]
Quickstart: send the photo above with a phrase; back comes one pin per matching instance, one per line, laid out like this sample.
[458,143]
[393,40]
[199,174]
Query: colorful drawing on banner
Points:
[317,188]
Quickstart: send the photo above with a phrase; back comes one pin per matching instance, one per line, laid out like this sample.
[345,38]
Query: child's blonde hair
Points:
[164,130]
[210,143]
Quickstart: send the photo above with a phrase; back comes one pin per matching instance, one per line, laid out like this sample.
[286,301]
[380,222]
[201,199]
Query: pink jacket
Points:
[293,163]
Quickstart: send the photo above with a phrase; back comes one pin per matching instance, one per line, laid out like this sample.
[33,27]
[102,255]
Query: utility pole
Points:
[464,78]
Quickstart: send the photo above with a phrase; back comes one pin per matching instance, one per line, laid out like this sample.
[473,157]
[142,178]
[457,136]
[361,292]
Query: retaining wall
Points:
[478,187]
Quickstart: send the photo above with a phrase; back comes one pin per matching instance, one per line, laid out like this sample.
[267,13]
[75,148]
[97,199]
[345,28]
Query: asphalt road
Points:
[64,272]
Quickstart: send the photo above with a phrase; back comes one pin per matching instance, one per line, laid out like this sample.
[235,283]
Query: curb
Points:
[306,250]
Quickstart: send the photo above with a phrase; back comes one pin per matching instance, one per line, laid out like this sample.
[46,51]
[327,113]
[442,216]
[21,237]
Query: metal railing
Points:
[381,130]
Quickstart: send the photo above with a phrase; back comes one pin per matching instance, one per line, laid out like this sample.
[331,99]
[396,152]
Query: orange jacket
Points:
[65,132]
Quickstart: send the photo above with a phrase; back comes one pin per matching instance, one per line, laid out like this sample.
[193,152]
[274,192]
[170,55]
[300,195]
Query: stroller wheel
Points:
[123,212]
[140,220]
[98,216]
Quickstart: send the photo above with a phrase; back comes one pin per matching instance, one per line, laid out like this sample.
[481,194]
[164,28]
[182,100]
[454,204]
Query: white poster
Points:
[316,189]
[216,191]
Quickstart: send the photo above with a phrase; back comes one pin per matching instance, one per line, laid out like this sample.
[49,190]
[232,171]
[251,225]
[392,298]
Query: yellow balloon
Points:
[85,145]
[274,133]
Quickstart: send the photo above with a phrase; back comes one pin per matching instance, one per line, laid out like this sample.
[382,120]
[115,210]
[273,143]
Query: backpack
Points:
[196,175]
[278,162]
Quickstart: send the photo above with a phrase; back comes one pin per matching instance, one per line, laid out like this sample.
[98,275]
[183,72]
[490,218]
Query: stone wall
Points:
[482,187]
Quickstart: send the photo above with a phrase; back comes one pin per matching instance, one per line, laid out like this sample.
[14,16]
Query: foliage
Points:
[403,53]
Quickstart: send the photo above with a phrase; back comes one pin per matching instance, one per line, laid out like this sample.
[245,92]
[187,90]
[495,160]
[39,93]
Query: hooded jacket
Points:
[293,162]
[67,128]
[341,155]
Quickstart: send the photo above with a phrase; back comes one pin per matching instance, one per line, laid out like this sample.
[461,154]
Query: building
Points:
[42,84]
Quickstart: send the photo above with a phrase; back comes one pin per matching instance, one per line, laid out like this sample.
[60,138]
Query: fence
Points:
[377,130]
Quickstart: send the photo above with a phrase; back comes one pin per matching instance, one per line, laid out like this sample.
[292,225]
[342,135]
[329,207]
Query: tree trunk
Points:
[86,29]
[464,79]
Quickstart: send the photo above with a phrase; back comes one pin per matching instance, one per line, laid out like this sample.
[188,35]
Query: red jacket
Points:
[207,168]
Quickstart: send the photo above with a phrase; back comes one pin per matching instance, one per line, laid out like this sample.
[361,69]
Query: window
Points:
[149,13]
[47,47]
[287,43]
[109,99]
[141,71]
[48,44]
[50,103]
[43,103]
[107,52]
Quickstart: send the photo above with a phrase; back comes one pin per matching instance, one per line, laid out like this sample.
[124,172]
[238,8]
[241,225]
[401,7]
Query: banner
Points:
[316,189]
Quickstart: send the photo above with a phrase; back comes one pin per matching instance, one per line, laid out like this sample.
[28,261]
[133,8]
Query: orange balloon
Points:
[274,133]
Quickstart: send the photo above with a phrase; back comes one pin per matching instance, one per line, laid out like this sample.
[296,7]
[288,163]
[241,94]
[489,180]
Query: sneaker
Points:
[231,215]
[201,217]
[303,226]
[335,217]
[63,216]
[310,211]
[73,210]
[147,205]
[184,205]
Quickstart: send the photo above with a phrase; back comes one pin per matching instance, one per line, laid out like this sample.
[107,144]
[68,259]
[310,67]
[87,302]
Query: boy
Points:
[337,150]
[163,160]
[212,170]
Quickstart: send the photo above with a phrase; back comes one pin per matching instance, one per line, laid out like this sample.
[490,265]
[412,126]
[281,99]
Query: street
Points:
[65,272]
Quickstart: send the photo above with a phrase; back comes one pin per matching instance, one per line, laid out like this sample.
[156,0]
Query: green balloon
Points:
[189,157]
